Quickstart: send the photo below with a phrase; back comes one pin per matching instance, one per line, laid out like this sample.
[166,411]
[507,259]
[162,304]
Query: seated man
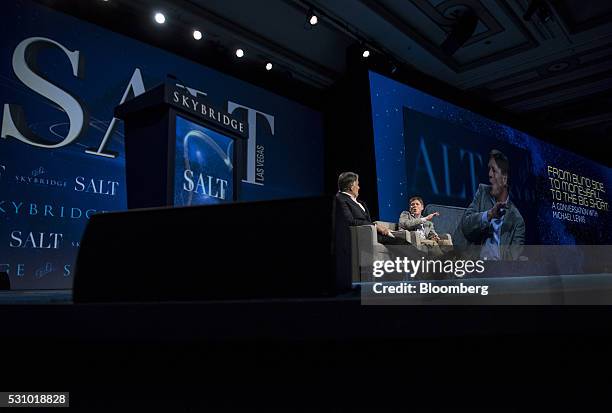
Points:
[351,212]
[413,221]
[492,220]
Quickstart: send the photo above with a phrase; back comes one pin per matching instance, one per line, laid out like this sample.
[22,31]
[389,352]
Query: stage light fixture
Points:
[312,17]
[239,52]
[160,18]
[366,53]
[268,66]
[197,34]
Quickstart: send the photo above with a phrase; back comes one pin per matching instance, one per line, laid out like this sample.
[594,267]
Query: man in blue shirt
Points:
[492,220]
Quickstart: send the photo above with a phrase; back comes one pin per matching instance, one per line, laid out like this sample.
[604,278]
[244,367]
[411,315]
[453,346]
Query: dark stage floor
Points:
[299,353]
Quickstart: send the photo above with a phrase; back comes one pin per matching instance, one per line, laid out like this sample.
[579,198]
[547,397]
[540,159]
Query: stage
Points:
[341,317]
[300,351]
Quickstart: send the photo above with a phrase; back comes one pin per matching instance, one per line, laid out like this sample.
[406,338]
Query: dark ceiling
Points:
[545,62]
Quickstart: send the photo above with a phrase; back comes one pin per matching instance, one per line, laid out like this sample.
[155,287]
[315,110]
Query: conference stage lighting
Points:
[160,18]
[312,17]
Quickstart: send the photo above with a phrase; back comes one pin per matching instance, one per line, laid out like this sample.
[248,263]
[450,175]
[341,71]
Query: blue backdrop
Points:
[427,146]
[50,185]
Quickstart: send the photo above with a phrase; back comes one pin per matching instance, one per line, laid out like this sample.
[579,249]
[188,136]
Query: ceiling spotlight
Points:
[160,18]
[268,66]
[197,34]
[366,53]
[239,52]
[312,17]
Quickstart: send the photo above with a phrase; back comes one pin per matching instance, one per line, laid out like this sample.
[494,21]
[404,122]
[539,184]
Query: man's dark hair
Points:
[345,181]
[502,162]
[418,198]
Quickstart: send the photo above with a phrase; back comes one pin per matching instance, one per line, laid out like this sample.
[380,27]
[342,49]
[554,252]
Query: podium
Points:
[179,149]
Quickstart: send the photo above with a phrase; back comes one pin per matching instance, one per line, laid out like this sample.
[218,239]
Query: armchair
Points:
[365,248]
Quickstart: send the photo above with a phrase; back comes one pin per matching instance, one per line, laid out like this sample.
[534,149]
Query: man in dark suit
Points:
[351,212]
[492,220]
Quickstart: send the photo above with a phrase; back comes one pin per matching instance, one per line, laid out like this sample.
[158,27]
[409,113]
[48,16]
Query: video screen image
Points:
[204,165]
[480,211]
[428,147]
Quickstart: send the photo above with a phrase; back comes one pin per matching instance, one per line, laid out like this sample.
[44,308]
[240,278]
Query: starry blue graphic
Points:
[389,98]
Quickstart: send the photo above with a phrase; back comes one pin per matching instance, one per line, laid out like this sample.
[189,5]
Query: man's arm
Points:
[518,240]
[432,231]
[408,222]
[474,222]
[519,234]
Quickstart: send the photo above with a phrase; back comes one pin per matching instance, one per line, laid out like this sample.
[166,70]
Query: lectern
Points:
[179,149]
